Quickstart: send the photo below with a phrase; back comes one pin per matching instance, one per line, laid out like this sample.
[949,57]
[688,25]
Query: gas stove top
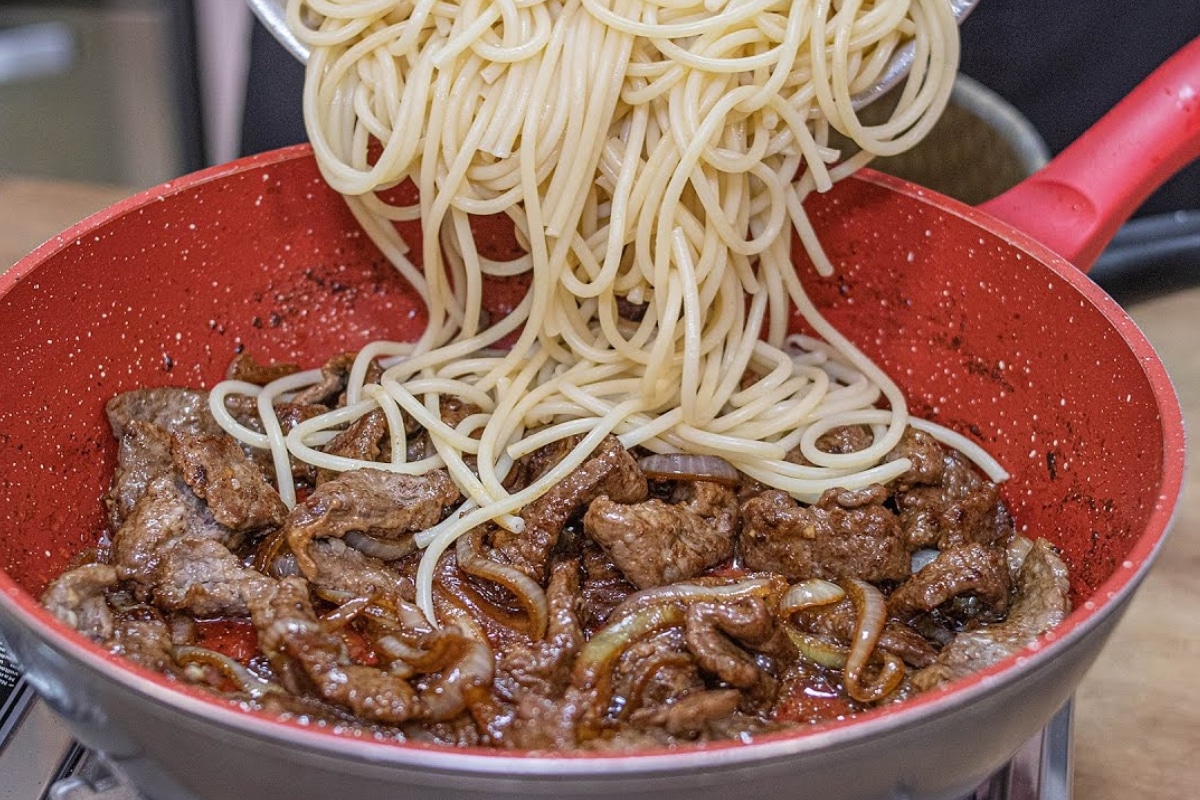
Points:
[40,761]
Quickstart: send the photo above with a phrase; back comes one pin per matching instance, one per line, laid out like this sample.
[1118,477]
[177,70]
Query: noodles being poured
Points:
[652,154]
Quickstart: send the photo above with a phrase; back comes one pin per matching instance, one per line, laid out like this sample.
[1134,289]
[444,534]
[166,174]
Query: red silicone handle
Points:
[1075,204]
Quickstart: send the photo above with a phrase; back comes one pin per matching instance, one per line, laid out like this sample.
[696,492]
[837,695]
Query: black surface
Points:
[1063,63]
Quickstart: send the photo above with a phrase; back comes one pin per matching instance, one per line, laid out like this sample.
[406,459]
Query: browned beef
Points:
[245,367]
[724,636]
[177,410]
[143,453]
[655,543]
[217,470]
[77,599]
[964,580]
[177,556]
[839,441]
[942,499]
[535,676]
[382,504]
[826,540]
[307,658]
[141,634]
[339,568]
[927,457]
[604,588]
[655,672]
[363,440]
[610,470]
[80,598]
[1041,602]
[202,577]
[454,410]
[334,374]
[691,715]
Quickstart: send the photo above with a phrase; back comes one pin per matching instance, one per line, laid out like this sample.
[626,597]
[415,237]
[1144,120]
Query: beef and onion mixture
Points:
[650,601]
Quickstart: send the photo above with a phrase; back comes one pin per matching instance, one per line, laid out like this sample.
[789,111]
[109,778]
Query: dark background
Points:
[1062,63]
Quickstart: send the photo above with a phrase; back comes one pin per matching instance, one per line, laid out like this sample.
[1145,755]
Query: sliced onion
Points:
[245,680]
[701,590]
[818,650]
[528,592]
[810,593]
[871,612]
[383,549]
[594,664]
[447,697]
[345,613]
[689,467]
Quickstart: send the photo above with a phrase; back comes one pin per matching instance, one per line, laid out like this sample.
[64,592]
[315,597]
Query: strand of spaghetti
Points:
[447,534]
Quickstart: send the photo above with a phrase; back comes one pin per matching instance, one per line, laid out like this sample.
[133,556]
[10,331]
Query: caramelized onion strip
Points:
[683,594]
[245,680]
[808,594]
[528,592]
[383,549]
[871,615]
[594,664]
[690,467]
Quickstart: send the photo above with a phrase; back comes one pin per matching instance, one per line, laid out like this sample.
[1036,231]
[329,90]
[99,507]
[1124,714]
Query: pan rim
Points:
[1109,597]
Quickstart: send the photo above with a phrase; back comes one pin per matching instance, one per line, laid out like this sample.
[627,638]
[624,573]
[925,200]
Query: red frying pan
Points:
[988,329]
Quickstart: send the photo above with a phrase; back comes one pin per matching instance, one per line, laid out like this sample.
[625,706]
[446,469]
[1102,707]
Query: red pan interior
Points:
[986,332]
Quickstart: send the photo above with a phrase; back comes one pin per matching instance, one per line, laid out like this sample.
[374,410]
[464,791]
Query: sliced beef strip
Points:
[80,598]
[142,635]
[378,503]
[387,505]
[692,715]
[535,677]
[927,460]
[825,540]
[655,543]
[340,568]
[237,493]
[334,375]
[943,500]
[77,599]
[966,572]
[604,587]
[202,577]
[454,410]
[610,470]
[143,454]
[839,441]
[656,671]
[724,637]
[363,440]
[245,367]
[1042,601]
[177,556]
[306,657]
[176,409]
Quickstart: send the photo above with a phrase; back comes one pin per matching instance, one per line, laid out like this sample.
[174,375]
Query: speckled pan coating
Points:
[987,332]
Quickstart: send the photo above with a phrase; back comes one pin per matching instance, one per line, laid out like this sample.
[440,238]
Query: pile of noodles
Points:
[652,153]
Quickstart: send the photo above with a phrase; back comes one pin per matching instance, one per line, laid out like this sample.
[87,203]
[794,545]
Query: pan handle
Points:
[1075,204]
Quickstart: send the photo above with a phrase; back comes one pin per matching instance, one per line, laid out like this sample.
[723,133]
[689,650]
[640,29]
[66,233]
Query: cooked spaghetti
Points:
[671,520]
[652,155]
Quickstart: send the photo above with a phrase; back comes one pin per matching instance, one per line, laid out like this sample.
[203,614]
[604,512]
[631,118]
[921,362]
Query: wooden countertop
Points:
[1137,718]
